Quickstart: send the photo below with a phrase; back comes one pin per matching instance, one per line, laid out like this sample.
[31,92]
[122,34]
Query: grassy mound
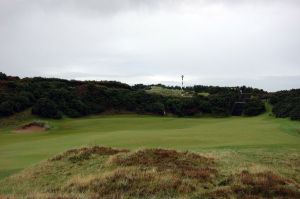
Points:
[103,172]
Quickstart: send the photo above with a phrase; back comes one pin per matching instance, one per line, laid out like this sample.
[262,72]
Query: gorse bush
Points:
[254,107]
[6,108]
[156,108]
[46,108]
[295,113]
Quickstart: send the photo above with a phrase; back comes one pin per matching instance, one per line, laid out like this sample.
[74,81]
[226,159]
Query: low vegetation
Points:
[261,185]
[101,172]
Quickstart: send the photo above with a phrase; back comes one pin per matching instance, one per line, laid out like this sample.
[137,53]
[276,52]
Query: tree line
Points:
[55,98]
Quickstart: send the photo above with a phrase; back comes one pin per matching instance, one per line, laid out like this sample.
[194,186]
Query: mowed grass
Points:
[248,136]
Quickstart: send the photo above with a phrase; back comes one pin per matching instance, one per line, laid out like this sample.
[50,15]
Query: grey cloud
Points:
[210,41]
[11,8]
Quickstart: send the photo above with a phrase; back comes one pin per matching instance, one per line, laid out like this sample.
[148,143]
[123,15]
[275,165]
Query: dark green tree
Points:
[156,108]
[3,76]
[295,113]
[6,108]
[254,107]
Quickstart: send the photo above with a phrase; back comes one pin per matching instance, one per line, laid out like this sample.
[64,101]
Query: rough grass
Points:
[182,163]
[85,153]
[105,172]
[132,182]
[262,185]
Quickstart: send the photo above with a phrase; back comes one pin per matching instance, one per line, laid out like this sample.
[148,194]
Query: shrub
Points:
[21,103]
[295,113]
[3,76]
[46,108]
[285,103]
[282,109]
[76,108]
[175,106]
[156,108]
[254,107]
[6,108]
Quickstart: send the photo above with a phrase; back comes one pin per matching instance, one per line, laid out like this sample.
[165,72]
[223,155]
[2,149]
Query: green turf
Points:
[248,134]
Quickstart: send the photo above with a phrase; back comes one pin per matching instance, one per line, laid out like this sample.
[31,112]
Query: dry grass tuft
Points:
[132,182]
[265,184]
[185,164]
[220,193]
[76,155]
[261,185]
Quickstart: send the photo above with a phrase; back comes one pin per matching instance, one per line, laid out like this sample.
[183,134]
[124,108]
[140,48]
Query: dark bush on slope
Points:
[46,108]
[6,108]
[254,107]
[295,113]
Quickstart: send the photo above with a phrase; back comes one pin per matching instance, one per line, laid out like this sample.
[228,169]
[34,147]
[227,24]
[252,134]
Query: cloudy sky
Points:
[212,42]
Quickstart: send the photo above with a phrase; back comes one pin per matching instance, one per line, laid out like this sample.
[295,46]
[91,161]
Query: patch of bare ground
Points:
[85,153]
[261,185]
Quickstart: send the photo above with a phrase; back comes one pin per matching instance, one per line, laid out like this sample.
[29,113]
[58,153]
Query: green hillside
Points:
[172,92]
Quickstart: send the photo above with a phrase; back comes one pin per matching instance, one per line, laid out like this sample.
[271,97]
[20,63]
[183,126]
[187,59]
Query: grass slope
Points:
[172,92]
[253,138]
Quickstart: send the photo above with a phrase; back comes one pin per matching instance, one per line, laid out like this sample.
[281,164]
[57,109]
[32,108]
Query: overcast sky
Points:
[212,42]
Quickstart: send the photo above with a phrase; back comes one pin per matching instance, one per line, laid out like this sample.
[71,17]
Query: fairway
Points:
[248,134]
